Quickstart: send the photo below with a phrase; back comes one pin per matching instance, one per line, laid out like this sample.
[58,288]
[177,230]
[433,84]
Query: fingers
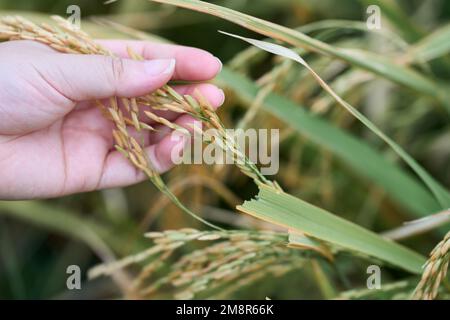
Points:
[118,171]
[87,77]
[192,64]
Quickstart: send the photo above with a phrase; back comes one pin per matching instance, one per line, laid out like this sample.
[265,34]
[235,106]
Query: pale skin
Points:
[54,141]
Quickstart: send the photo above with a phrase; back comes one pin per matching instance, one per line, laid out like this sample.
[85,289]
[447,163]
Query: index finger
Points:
[192,64]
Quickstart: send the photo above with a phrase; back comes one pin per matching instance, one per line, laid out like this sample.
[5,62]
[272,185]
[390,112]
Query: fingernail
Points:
[222,98]
[220,63]
[159,66]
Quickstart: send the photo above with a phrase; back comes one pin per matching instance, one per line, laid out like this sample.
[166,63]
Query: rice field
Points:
[358,207]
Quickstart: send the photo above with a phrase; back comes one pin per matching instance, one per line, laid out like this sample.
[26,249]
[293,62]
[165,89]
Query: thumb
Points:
[87,77]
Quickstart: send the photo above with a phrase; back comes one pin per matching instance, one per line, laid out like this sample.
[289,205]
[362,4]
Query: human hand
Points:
[54,141]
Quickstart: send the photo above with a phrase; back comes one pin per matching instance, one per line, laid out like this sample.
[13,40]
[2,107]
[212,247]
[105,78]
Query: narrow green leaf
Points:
[292,213]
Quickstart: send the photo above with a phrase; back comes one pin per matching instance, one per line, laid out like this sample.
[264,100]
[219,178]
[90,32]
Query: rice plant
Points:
[345,175]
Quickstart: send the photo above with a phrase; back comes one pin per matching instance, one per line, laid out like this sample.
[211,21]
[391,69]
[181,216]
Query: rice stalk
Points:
[68,39]
[435,271]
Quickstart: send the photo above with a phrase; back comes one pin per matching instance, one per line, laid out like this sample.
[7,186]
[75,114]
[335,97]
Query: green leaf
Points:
[439,192]
[354,152]
[292,213]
